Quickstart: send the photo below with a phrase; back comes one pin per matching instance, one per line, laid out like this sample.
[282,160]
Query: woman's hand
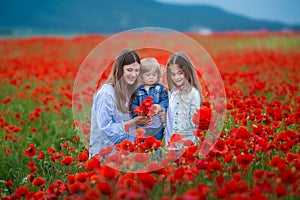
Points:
[141,121]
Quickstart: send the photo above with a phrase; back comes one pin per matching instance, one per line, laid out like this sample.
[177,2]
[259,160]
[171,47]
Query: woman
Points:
[110,110]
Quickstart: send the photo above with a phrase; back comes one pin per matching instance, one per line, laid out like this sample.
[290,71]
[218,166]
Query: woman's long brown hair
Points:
[123,91]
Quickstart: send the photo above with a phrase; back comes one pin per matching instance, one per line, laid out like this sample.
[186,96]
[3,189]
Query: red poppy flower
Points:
[13,129]
[41,155]
[147,180]
[17,115]
[280,191]
[288,177]
[105,151]
[108,172]
[178,174]
[281,137]
[139,132]
[30,177]
[115,158]
[39,195]
[38,181]
[243,133]
[215,166]
[146,109]
[55,157]
[8,183]
[78,188]
[30,164]
[257,128]
[202,118]
[21,191]
[68,160]
[82,176]
[236,186]
[155,167]
[198,133]
[271,145]
[278,162]
[151,143]
[82,157]
[258,174]
[6,100]
[220,147]
[141,157]
[228,158]
[126,128]
[285,147]
[126,145]
[75,139]
[30,151]
[220,179]
[221,193]
[51,150]
[93,164]
[33,169]
[104,188]
[175,139]
[244,160]
[291,156]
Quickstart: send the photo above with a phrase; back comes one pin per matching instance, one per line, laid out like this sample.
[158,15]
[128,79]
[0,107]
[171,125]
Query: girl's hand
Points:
[156,109]
[163,116]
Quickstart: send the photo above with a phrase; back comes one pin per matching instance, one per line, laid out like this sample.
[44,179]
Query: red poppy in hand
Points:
[146,109]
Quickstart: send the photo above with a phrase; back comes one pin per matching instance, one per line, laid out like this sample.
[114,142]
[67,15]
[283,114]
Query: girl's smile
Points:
[177,75]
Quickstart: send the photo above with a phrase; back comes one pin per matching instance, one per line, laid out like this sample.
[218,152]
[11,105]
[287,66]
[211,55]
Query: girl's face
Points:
[131,72]
[149,78]
[177,75]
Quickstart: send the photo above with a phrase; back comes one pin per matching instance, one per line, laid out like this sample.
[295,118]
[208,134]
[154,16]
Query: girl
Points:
[110,110]
[185,97]
[151,86]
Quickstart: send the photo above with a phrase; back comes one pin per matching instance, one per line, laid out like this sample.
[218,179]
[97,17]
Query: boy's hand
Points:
[156,109]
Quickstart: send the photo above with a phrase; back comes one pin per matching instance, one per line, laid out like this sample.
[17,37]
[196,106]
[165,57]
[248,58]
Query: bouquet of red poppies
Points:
[147,108]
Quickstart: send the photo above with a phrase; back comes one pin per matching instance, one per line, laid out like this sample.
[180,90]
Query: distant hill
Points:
[111,16]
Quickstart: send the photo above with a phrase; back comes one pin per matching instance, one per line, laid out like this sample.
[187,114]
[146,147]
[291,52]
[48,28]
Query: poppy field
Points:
[256,156]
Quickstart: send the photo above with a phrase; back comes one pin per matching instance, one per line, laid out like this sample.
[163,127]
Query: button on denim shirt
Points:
[180,113]
[107,122]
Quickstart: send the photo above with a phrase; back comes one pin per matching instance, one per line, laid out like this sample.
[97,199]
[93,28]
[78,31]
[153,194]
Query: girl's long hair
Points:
[123,91]
[183,61]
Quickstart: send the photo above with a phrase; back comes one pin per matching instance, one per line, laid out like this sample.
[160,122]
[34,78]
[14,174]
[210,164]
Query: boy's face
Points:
[149,78]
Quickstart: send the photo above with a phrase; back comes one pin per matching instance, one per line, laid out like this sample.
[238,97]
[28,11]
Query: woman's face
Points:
[131,72]
[177,75]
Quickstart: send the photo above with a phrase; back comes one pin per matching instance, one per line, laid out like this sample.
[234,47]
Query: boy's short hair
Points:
[149,63]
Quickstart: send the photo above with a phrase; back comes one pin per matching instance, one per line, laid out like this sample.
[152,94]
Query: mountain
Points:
[96,16]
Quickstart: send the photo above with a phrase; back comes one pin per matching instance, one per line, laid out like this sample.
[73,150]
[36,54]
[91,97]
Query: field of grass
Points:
[257,155]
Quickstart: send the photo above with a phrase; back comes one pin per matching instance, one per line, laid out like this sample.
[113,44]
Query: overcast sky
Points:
[287,11]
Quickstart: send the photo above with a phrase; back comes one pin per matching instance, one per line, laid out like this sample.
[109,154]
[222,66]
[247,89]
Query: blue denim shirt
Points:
[107,122]
[157,91]
[179,115]
[160,97]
